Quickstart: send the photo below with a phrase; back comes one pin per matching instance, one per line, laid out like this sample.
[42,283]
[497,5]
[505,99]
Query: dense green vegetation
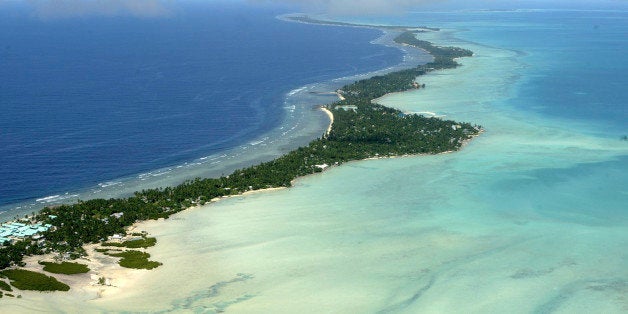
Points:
[134,244]
[67,268]
[377,86]
[362,129]
[12,254]
[30,280]
[135,259]
[107,250]
[5,286]
[443,53]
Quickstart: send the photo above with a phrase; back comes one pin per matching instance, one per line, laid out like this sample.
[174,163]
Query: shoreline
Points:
[370,236]
[118,277]
[228,160]
[113,273]
[142,224]
[331,119]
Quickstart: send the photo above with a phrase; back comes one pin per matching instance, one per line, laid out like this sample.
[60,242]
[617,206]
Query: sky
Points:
[54,9]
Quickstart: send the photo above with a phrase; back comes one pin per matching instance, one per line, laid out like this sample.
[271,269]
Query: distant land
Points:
[308,19]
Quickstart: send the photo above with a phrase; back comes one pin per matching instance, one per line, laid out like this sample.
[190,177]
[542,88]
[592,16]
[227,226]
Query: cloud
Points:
[355,7]
[54,9]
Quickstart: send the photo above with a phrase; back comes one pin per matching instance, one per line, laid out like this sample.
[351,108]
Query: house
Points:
[18,231]
[117,215]
[116,237]
[347,107]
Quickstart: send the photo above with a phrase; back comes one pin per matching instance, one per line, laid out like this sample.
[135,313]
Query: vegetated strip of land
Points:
[361,129]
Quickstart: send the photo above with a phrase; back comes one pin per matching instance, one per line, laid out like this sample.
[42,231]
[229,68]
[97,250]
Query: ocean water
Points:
[104,106]
[531,217]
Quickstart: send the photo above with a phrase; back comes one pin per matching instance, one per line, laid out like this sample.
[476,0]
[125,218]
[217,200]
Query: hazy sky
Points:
[343,7]
[355,6]
[51,9]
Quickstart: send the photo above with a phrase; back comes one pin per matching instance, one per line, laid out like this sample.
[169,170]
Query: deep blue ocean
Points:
[87,100]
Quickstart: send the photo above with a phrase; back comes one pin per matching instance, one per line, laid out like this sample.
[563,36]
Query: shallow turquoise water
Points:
[529,217]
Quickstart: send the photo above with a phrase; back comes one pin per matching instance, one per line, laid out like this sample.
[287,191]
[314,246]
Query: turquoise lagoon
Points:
[529,217]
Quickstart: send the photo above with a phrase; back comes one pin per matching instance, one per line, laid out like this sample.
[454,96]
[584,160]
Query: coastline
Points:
[455,225]
[304,124]
[119,277]
[331,119]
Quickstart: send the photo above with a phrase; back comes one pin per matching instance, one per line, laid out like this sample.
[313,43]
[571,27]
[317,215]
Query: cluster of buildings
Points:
[13,231]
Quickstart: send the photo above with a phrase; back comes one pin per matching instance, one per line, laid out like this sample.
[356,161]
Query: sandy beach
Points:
[331,119]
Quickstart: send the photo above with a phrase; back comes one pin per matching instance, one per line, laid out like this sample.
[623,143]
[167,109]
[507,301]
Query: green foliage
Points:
[13,254]
[67,268]
[30,280]
[444,53]
[106,250]
[134,244]
[135,259]
[5,286]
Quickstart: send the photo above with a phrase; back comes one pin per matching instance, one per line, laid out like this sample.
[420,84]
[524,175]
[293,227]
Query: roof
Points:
[29,232]
[21,230]
[5,232]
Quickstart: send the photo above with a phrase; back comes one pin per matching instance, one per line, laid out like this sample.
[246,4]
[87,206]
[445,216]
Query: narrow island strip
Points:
[359,129]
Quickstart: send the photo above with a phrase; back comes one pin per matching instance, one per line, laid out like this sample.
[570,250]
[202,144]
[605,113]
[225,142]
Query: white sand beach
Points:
[331,119]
